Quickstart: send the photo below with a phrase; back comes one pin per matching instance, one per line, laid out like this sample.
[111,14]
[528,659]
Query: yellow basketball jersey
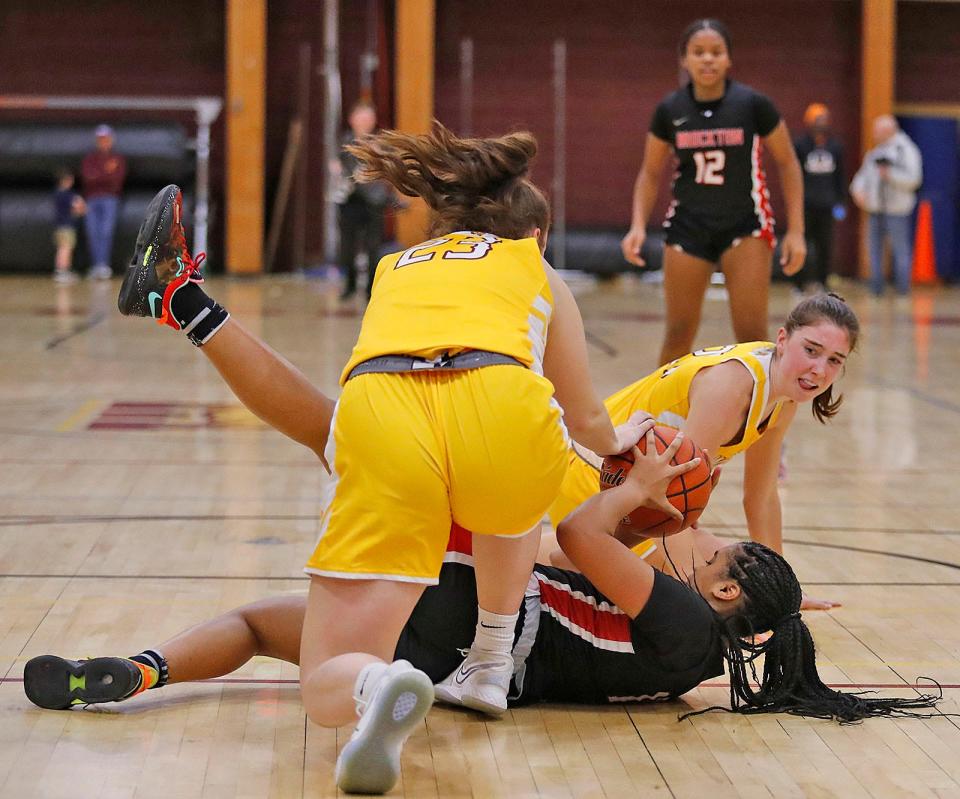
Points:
[665,394]
[463,291]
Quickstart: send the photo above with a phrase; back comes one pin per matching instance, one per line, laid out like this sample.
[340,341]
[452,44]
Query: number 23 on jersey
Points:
[471,248]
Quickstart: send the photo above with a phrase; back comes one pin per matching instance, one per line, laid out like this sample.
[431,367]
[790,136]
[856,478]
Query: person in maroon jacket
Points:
[103,174]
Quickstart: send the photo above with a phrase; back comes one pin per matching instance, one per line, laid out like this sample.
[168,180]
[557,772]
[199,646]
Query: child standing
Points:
[68,207]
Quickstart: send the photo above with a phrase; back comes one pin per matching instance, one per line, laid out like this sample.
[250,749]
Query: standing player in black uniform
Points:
[620,631]
[720,213]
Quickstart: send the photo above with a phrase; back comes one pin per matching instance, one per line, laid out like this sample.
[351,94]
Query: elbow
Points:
[568,533]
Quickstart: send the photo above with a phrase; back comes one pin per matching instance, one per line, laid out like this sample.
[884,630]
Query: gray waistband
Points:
[474,359]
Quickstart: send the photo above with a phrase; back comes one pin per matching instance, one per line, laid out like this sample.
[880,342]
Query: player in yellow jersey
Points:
[470,351]
[738,398]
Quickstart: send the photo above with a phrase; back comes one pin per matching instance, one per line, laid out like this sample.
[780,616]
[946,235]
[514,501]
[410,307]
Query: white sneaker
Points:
[65,278]
[370,761]
[100,272]
[481,683]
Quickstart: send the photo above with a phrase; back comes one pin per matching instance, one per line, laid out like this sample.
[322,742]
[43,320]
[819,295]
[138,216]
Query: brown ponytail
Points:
[469,184]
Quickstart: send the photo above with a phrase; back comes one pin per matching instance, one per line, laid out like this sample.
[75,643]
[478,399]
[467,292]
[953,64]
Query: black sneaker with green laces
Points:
[58,684]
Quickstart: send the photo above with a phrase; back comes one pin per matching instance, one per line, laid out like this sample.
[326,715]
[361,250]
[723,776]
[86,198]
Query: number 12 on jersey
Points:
[710,165]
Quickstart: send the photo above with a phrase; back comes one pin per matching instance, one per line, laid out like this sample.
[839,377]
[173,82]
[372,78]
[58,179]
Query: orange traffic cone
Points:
[924,254]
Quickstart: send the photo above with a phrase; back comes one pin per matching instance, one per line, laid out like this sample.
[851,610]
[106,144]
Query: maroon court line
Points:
[254,681]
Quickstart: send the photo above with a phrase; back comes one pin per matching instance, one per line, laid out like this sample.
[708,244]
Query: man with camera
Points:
[885,187]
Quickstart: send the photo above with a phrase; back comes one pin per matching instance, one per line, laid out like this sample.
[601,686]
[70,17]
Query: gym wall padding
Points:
[26,229]
[31,153]
[598,250]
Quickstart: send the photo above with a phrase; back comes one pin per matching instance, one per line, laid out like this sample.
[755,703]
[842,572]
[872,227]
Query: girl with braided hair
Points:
[617,630]
[749,589]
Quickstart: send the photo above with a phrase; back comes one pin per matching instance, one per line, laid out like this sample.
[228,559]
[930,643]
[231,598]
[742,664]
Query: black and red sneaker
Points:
[161,263]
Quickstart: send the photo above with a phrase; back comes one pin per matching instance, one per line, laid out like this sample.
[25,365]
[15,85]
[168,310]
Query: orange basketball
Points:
[688,493]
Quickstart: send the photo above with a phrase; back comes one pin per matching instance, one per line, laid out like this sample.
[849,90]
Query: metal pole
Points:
[331,123]
[559,234]
[38,102]
[369,60]
[207,111]
[466,86]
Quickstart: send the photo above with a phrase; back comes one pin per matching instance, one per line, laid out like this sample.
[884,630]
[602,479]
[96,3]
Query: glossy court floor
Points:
[137,498]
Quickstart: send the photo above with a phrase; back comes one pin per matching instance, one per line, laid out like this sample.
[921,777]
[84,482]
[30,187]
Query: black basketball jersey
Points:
[718,150]
[571,643]
[589,651]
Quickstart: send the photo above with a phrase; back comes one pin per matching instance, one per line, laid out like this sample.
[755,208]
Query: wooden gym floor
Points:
[137,499]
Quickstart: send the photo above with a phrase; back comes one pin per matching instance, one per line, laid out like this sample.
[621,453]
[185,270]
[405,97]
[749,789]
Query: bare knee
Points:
[323,712]
[327,689]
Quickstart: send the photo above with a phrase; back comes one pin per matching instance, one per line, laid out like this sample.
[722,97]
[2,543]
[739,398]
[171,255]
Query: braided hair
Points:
[790,683]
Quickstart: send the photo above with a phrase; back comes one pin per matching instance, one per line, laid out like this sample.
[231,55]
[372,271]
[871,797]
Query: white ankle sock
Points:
[494,632]
[367,680]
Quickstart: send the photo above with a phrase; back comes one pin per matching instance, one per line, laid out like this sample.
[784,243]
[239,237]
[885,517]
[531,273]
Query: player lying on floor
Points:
[616,631]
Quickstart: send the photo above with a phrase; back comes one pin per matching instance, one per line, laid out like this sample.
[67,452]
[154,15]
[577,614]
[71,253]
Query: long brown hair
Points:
[469,184]
[825,307]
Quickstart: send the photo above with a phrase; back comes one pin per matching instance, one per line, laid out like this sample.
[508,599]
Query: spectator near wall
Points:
[103,172]
[361,206]
[824,191]
[885,187]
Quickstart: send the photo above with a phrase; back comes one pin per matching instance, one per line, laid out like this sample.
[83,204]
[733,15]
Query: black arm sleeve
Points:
[765,114]
[661,126]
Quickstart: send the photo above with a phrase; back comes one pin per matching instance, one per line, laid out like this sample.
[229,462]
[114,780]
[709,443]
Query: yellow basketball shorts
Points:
[581,482]
[412,452]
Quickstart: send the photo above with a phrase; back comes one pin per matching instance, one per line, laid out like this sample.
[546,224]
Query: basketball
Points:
[688,492]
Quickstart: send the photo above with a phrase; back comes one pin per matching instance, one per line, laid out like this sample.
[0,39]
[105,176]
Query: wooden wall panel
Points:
[414,92]
[245,107]
[928,52]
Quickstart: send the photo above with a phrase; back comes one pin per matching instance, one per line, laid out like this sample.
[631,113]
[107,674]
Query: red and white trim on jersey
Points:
[459,547]
[761,195]
[672,208]
[599,623]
